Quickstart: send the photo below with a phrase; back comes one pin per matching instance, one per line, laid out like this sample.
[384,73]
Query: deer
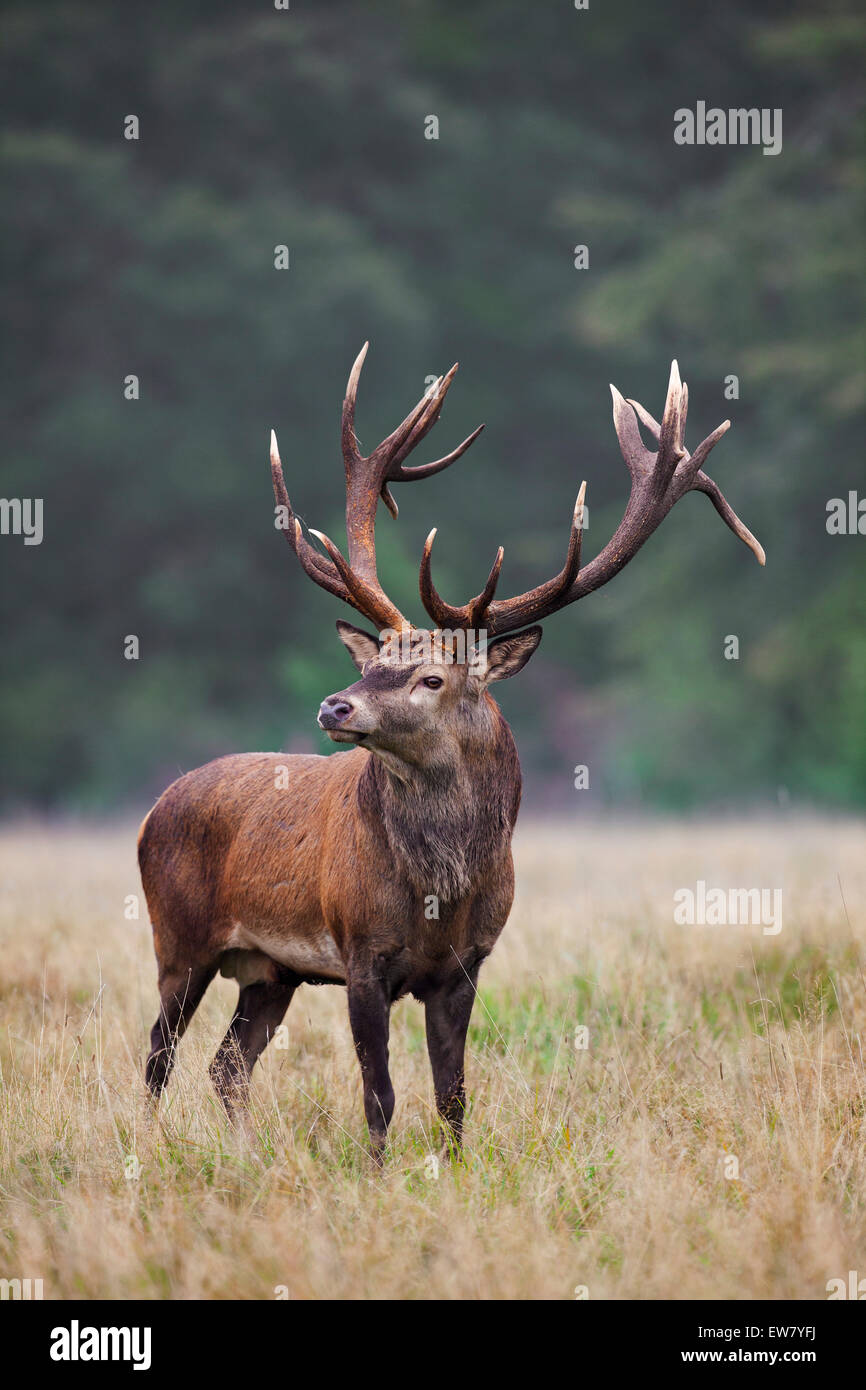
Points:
[385,867]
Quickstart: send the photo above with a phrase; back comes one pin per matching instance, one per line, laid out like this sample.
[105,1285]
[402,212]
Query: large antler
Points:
[658,480]
[356,580]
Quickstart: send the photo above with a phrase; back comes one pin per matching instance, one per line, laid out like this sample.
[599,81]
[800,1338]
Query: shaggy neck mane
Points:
[451,822]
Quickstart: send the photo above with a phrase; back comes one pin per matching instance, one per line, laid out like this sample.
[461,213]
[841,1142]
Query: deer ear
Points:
[360,645]
[508,655]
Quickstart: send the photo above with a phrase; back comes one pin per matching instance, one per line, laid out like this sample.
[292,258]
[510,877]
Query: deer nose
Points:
[334,711]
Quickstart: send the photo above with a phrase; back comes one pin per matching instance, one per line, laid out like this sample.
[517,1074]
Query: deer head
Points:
[417,682]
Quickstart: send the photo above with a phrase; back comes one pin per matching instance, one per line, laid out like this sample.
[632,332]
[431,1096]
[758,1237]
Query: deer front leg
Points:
[447,1015]
[369,1016]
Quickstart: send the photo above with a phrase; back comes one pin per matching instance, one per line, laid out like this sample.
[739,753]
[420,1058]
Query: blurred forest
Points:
[305,127]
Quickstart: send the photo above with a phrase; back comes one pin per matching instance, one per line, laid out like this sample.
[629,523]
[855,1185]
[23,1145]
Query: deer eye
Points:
[432,682]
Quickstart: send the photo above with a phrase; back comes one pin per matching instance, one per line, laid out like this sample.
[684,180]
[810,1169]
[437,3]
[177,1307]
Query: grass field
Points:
[711,1051]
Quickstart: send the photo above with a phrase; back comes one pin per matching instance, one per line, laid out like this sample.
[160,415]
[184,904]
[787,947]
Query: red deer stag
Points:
[387,869]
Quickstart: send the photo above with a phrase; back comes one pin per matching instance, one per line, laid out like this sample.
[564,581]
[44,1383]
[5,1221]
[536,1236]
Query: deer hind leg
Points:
[180,993]
[260,1011]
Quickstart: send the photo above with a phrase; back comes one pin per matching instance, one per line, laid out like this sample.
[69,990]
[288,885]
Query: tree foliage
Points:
[305,127]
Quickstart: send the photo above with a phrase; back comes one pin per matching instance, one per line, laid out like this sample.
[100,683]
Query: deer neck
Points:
[448,823]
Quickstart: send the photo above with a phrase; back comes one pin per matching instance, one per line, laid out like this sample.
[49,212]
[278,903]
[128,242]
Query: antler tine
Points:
[704,484]
[407,435]
[479,606]
[315,565]
[553,594]
[694,462]
[475,613]
[571,568]
[347,431]
[637,457]
[332,574]
[418,423]
[367,598]
[645,418]
[384,453]
[444,614]
[352,457]
[669,434]
[426,470]
[671,448]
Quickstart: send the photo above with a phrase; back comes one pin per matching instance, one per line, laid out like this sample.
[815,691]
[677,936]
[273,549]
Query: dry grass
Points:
[601,1167]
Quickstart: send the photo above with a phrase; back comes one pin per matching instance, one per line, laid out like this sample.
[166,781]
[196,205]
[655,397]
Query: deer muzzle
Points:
[334,716]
